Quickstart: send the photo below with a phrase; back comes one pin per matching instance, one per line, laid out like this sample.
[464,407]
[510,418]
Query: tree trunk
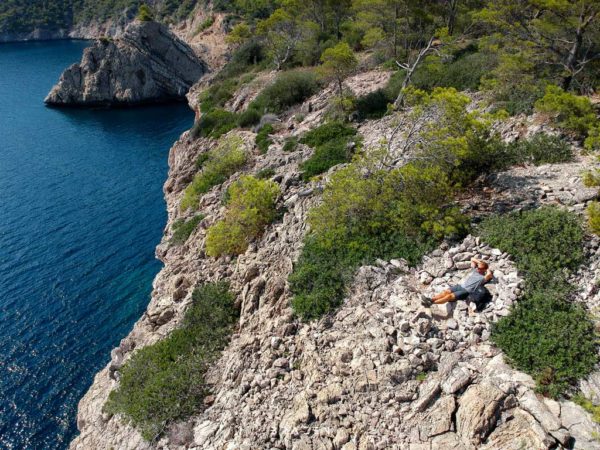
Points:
[572,60]
[453,5]
[410,70]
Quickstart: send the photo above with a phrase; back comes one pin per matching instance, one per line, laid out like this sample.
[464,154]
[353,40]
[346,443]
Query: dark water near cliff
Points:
[81,210]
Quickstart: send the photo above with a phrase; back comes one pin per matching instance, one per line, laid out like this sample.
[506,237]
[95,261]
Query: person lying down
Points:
[471,284]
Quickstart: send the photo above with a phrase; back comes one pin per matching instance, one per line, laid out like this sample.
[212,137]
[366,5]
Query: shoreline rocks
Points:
[147,64]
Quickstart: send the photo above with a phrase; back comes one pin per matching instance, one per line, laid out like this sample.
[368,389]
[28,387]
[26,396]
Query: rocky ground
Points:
[146,64]
[383,372]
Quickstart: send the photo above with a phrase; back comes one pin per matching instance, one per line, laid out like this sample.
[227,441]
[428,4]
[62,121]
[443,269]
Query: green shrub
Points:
[222,162]
[331,144]
[251,207]
[550,338]
[545,243]
[462,73]
[262,138]
[573,113]
[201,159]
[183,229]
[214,124]
[593,216]
[373,105]
[288,89]
[545,334]
[219,93]
[145,14]
[164,382]
[290,144]
[327,132]
[249,118]
[541,148]
[247,57]
[326,156]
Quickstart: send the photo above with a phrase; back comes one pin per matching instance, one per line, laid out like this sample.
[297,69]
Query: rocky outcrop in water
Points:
[147,64]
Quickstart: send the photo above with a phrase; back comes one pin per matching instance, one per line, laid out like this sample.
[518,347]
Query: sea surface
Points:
[81,211]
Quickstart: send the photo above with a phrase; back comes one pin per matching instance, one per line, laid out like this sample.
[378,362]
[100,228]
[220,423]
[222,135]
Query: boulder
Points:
[478,412]
[522,431]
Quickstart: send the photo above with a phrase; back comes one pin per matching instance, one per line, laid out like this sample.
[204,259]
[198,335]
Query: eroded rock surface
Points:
[146,64]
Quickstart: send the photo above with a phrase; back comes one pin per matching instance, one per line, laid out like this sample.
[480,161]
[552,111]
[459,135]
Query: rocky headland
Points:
[383,372]
[146,64]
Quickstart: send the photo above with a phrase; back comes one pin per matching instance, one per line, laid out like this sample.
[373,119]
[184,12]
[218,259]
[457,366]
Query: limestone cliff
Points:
[349,381]
[147,63]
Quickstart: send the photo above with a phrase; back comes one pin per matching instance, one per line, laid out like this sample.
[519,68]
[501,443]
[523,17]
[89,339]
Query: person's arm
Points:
[475,262]
[488,275]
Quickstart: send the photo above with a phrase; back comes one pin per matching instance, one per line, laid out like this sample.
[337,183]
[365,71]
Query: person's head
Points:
[482,267]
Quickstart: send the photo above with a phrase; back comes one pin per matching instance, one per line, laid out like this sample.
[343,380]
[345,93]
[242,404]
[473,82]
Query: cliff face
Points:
[146,64]
[349,381]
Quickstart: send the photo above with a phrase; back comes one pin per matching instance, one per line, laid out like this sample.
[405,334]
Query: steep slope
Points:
[383,371]
[146,64]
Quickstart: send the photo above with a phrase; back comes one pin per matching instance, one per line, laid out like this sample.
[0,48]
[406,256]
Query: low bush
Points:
[164,382]
[462,73]
[373,105]
[249,118]
[228,157]
[545,334]
[539,149]
[262,138]
[573,113]
[593,216]
[214,124]
[246,58]
[288,89]
[550,338]
[547,243]
[327,132]
[182,229]
[326,156]
[201,159]
[331,142]
[219,93]
[250,208]
[290,144]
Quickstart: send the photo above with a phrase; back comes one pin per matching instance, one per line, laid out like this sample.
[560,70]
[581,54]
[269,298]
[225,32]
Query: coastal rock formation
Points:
[383,372]
[146,64]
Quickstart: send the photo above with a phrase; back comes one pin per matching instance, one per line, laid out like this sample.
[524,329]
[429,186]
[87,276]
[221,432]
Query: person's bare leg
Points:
[445,299]
[441,295]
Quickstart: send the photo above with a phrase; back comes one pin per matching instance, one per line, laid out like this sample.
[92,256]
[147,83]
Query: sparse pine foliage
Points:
[338,63]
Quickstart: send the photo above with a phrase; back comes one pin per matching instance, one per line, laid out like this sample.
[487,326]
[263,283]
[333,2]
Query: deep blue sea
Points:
[81,210]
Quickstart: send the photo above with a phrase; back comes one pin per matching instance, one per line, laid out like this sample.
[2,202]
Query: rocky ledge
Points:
[146,64]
